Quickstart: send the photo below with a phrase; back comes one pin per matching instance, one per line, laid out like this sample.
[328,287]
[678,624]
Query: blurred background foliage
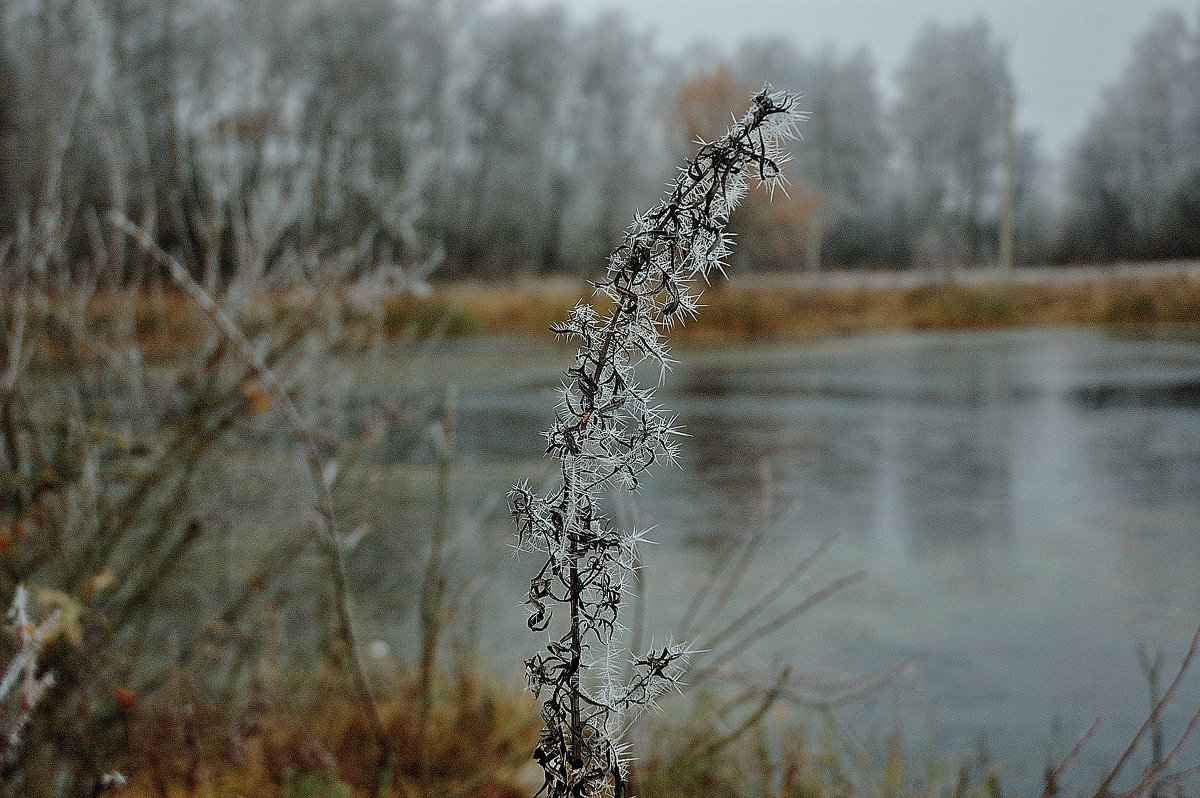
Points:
[513,140]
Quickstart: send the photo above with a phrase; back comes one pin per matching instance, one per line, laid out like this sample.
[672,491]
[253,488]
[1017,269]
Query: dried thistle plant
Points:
[607,433]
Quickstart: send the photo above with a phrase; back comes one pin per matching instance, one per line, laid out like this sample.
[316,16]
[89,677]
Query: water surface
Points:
[1026,505]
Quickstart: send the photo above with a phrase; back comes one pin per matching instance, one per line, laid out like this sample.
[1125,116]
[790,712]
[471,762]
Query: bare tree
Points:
[845,152]
[950,122]
[1134,178]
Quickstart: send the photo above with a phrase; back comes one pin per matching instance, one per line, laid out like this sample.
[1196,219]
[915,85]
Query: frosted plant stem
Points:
[607,433]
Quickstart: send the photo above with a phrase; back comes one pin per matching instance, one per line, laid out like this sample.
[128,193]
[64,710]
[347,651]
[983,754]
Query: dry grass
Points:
[773,307]
[305,740]
[744,309]
[308,737]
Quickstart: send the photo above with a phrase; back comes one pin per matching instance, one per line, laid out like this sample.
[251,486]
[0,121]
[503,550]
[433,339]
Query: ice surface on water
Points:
[1022,533]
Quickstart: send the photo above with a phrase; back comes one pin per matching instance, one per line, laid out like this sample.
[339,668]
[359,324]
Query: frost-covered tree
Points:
[510,137]
[1134,177]
[517,107]
[556,117]
[354,98]
[844,156]
[57,99]
[621,143]
[10,116]
[949,121]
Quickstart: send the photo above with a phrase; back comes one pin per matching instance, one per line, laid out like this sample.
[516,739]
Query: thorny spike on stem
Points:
[607,433]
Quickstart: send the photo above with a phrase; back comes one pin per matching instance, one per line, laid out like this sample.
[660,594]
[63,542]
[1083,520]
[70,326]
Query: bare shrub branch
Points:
[301,430]
[1103,789]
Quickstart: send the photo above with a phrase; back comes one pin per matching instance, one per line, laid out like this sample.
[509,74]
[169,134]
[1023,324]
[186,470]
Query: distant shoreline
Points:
[779,306]
[744,308]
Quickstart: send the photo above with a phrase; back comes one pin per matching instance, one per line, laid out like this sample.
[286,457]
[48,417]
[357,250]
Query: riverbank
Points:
[774,306]
[309,739]
[745,308]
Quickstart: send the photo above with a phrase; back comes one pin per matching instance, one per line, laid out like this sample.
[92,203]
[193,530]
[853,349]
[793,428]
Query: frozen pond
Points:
[1026,505]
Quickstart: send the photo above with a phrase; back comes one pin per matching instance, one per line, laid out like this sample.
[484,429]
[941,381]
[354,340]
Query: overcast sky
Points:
[1063,51]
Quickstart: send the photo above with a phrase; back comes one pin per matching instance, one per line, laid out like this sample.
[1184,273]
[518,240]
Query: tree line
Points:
[499,141]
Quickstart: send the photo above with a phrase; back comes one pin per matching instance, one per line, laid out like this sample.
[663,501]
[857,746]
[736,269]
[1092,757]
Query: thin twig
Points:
[736,649]
[768,700]
[434,585]
[1154,713]
[1055,777]
[759,606]
[733,576]
[859,690]
[326,520]
[1155,770]
[737,573]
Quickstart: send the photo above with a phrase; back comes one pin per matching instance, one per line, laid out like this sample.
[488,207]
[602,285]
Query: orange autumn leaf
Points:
[257,397]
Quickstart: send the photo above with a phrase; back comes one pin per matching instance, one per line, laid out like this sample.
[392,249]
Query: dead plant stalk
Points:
[327,529]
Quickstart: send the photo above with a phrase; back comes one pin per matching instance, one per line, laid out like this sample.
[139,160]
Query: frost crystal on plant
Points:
[607,433]
[21,672]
